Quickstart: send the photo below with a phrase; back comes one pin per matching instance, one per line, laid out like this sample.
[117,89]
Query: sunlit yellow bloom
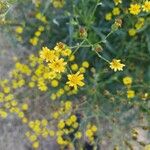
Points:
[135,9]
[116,65]
[75,80]
[47,54]
[58,65]
[146,6]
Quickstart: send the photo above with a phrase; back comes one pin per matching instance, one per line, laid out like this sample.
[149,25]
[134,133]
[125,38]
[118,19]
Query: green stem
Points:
[102,57]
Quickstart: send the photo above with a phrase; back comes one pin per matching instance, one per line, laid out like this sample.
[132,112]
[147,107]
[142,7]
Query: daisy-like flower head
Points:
[116,65]
[47,54]
[58,65]
[146,6]
[75,80]
[135,9]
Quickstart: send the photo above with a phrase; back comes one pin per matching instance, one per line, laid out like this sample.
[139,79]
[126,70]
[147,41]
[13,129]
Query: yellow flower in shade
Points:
[75,80]
[116,65]
[108,16]
[146,6]
[132,32]
[116,11]
[127,80]
[130,94]
[47,54]
[140,23]
[58,65]
[135,9]
[85,64]
[117,2]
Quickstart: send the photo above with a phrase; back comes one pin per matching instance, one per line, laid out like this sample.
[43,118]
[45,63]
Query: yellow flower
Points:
[47,54]
[53,96]
[75,80]
[58,65]
[61,124]
[108,16]
[127,80]
[116,11]
[24,107]
[116,65]
[85,64]
[19,30]
[68,105]
[140,23]
[89,133]
[74,67]
[54,83]
[78,135]
[135,9]
[132,32]
[94,128]
[51,133]
[73,118]
[130,94]
[117,2]
[34,41]
[35,145]
[146,6]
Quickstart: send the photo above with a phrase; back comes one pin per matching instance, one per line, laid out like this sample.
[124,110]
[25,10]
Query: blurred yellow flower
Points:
[108,16]
[130,94]
[19,30]
[116,11]
[127,80]
[132,32]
